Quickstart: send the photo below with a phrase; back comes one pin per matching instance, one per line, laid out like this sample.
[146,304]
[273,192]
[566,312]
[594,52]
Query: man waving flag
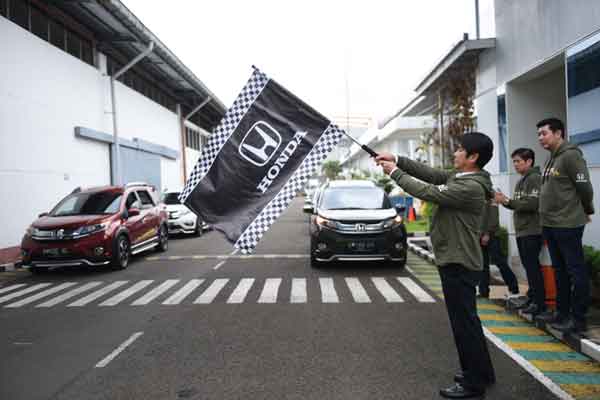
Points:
[263,151]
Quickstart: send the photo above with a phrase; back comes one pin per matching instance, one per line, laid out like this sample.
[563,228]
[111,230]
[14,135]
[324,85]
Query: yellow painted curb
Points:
[534,346]
[489,307]
[500,317]
[582,391]
[516,330]
[567,366]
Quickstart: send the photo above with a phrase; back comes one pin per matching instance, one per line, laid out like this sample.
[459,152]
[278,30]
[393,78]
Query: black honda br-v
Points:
[355,221]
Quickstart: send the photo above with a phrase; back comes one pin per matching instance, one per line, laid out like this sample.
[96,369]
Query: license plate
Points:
[363,245]
[51,252]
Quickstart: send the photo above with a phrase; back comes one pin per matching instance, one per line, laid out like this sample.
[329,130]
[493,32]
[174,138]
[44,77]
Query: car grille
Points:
[57,234]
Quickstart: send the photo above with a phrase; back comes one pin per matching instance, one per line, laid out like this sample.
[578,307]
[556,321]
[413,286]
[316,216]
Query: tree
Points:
[331,169]
[384,182]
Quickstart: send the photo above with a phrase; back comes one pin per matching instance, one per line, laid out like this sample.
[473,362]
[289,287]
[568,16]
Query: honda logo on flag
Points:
[260,144]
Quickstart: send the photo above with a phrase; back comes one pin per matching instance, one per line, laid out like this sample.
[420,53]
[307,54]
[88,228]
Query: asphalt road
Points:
[262,327]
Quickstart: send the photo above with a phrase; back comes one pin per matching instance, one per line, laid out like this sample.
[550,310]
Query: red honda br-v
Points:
[95,227]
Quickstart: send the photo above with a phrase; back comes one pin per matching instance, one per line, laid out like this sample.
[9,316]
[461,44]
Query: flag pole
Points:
[366,148]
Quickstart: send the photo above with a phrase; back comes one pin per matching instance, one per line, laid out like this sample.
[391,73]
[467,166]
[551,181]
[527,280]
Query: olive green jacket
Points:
[566,196]
[461,199]
[525,204]
[491,219]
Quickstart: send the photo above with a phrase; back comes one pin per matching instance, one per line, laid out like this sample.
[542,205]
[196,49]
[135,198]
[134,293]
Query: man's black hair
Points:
[478,143]
[554,124]
[525,154]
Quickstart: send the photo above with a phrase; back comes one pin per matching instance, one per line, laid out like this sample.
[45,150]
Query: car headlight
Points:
[89,229]
[184,212]
[392,222]
[31,231]
[326,222]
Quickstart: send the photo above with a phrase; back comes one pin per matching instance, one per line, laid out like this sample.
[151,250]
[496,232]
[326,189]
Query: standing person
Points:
[461,197]
[491,249]
[565,207]
[526,218]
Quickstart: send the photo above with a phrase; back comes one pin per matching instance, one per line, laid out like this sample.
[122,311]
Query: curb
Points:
[417,234]
[577,342]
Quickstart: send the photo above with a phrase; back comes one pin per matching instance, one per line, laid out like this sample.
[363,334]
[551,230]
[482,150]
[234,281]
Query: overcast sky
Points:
[379,49]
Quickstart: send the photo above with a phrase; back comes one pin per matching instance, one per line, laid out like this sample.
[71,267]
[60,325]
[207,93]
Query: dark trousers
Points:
[459,285]
[529,251]
[492,251]
[572,275]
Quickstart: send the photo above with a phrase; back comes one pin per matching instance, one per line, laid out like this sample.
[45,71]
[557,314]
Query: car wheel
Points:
[163,239]
[121,253]
[314,263]
[198,230]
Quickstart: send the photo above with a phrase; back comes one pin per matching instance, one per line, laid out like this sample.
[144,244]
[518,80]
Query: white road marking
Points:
[11,287]
[387,291]
[104,362]
[182,293]
[97,294]
[269,292]
[416,290]
[40,295]
[220,264]
[298,290]
[154,293]
[30,289]
[211,292]
[119,297]
[69,294]
[241,291]
[357,290]
[328,293]
[527,366]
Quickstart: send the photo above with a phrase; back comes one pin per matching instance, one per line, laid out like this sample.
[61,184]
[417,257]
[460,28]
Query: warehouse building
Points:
[89,96]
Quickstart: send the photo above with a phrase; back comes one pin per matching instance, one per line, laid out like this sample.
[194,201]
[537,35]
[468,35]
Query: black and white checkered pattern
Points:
[221,134]
[254,232]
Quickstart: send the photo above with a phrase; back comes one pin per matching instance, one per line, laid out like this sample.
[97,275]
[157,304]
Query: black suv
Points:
[355,221]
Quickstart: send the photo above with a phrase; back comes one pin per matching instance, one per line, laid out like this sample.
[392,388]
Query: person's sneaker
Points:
[510,296]
[570,325]
[519,303]
[532,309]
[549,316]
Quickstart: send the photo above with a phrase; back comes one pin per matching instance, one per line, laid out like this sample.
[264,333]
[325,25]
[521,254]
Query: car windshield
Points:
[88,204]
[358,198]
[171,198]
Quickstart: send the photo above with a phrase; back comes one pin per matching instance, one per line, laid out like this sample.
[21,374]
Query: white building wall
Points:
[44,94]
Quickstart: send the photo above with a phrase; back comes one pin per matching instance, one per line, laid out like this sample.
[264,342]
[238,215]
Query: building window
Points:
[73,44]
[19,13]
[48,27]
[583,92]
[194,140]
[57,35]
[4,8]
[502,139]
[39,23]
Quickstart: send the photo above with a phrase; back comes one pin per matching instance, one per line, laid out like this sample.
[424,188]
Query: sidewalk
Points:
[588,343]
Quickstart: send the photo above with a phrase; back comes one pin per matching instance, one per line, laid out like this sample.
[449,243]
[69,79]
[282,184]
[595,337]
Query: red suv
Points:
[97,226]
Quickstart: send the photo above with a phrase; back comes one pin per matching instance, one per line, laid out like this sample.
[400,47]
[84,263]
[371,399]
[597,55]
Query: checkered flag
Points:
[262,153]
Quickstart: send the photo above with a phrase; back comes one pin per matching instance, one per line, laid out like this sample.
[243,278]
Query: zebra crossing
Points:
[170,292]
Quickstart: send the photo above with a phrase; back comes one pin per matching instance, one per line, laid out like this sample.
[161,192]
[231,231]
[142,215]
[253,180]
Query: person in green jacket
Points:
[491,248]
[526,219]
[566,204]
[461,196]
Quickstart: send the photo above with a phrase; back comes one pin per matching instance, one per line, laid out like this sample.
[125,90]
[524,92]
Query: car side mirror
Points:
[44,214]
[308,209]
[132,212]
[400,209]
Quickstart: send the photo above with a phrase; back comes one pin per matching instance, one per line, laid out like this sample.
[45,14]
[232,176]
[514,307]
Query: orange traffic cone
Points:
[411,214]
[548,273]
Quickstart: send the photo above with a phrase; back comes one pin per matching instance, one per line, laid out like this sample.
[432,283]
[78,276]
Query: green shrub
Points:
[592,260]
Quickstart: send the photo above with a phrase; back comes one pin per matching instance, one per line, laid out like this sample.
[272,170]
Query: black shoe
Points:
[549,317]
[459,378]
[532,309]
[570,326]
[520,303]
[458,391]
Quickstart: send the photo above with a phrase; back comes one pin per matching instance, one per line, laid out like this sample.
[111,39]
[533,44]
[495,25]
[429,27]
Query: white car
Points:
[181,218]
